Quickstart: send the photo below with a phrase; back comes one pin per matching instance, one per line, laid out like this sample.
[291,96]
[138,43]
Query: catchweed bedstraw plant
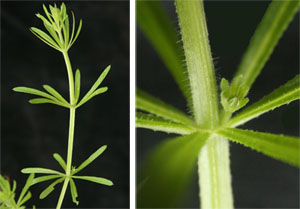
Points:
[62,37]
[206,133]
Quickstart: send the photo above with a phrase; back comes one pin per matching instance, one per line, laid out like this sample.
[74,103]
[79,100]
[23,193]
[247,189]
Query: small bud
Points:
[233,96]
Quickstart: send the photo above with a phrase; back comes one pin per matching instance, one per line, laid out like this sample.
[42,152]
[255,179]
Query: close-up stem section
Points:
[213,162]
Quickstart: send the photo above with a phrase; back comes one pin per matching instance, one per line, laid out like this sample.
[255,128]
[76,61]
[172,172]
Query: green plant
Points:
[7,193]
[61,38]
[206,133]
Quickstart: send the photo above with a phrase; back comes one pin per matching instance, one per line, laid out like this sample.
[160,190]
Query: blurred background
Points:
[258,181]
[30,134]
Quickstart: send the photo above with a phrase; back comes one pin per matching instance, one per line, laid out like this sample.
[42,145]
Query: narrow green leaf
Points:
[40,170]
[44,101]
[45,21]
[44,178]
[26,187]
[53,34]
[54,93]
[50,188]
[285,94]
[14,186]
[98,180]
[77,85]
[95,93]
[73,29]
[284,148]
[66,31]
[159,30]
[60,160]
[44,37]
[275,21]
[155,106]
[96,84]
[25,199]
[159,124]
[170,168]
[90,159]
[47,13]
[27,90]
[74,191]
[77,33]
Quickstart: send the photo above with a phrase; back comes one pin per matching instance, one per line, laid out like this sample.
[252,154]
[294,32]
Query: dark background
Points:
[30,134]
[258,181]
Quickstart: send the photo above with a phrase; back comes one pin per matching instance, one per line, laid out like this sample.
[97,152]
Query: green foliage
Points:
[60,177]
[284,148]
[169,166]
[158,28]
[57,24]
[283,95]
[148,103]
[61,38]
[7,194]
[275,21]
[160,124]
[170,172]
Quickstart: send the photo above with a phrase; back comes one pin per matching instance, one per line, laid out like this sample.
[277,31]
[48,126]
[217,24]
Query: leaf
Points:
[284,148]
[4,184]
[27,90]
[14,186]
[74,191]
[26,187]
[60,160]
[158,28]
[53,34]
[159,124]
[44,178]
[90,159]
[66,31]
[54,93]
[77,85]
[275,21]
[73,29]
[50,188]
[95,86]
[25,199]
[40,170]
[77,33]
[44,37]
[98,180]
[169,169]
[285,94]
[155,106]
[45,101]
[95,93]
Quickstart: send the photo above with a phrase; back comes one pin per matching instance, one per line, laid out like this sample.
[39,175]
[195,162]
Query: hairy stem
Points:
[199,62]
[213,160]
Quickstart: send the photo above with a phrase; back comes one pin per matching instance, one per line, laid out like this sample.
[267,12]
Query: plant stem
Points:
[70,77]
[199,62]
[213,160]
[71,129]
[62,194]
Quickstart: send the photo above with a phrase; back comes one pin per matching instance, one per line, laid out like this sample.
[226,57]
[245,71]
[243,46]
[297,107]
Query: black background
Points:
[258,181]
[30,134]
